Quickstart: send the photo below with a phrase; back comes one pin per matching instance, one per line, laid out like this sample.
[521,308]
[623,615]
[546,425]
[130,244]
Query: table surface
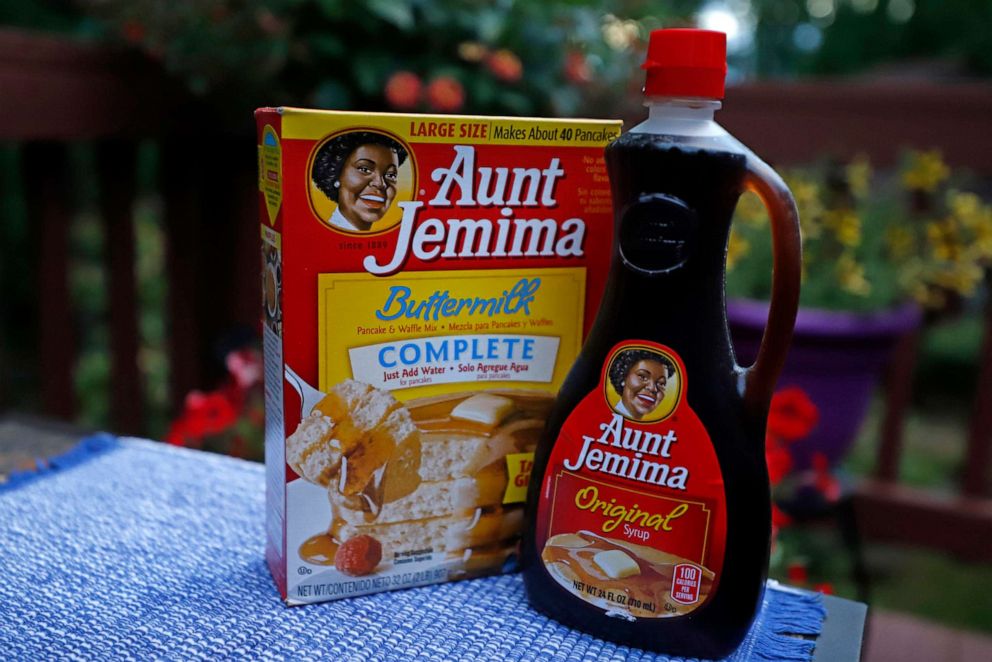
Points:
[843,632]
[24,440]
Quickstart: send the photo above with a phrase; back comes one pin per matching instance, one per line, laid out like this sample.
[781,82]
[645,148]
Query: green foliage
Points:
[955,29]
[869,244]
[855,35]
[555,57]
[46,16]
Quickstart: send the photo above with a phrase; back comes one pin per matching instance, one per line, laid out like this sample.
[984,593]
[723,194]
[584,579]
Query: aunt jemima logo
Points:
[635,447]
[365,176]
[462,184]
[643,385]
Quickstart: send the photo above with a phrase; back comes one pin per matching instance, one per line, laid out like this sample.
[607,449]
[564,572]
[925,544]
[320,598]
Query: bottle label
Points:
[632,511]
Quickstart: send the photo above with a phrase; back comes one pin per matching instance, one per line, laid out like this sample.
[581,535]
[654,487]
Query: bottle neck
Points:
[679,116]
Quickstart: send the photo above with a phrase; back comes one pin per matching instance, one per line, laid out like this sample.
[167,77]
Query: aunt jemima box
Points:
[427,283]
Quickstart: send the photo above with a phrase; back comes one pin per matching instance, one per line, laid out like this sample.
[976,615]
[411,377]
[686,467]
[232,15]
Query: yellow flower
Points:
[961,278]
[900,242]
[926,296]
[737,248]
[925,172]
[945,240]
[981,243]
[851,276]
[808,203]
[846,226]
[472,51]
[916,278]
[751,210]
[963,205]
[976,218]
[858,174]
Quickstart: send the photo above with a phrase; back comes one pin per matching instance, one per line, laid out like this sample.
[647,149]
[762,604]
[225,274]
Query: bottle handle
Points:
[760,377]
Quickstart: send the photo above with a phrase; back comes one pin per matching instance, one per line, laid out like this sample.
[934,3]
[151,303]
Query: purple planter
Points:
[836,357]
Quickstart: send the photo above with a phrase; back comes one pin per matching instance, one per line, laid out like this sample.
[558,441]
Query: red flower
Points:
[403,90]
[779,521]
[797,572]
[208,413]
[445,94]
[214,415]
[792,415]
[779,518]
[824,587]
[824,481]
[178,434]
[269,22]
[577,68]
[779,461]
[133,31]
[505,65]
[234,394]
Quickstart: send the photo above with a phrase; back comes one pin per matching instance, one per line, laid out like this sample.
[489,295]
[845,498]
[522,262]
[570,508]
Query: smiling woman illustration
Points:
[640,378]
[359,171]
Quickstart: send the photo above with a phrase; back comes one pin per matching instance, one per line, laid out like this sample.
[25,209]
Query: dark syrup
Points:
[667,285]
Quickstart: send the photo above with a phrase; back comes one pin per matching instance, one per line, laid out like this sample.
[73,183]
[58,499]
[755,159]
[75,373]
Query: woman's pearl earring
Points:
[337,184]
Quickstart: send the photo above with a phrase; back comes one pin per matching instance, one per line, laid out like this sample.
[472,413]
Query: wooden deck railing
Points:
[53,93]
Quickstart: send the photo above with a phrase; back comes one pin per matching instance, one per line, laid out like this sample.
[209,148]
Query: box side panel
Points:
[270,201]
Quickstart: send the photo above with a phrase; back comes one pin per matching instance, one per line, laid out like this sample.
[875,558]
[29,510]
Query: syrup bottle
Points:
[649,508]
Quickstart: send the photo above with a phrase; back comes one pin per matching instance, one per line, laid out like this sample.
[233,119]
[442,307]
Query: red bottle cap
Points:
[686,63]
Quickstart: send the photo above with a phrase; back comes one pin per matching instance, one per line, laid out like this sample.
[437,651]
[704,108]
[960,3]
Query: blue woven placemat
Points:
[135,549]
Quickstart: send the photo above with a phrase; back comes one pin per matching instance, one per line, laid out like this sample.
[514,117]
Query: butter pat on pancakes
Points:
[484,408]
[616,564]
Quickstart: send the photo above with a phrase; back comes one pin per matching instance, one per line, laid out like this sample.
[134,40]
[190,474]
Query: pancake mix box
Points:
[427,283]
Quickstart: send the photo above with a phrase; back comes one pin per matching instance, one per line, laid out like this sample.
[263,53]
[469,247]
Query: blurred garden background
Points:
[128,237]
